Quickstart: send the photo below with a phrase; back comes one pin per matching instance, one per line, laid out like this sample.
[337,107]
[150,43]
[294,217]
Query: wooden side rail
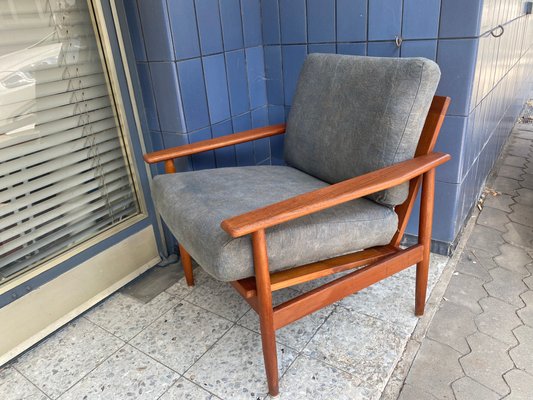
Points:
[212,144]
[332,195]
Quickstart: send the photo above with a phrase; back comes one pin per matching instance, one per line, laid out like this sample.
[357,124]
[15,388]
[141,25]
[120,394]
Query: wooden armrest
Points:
[333,195]
[212,144]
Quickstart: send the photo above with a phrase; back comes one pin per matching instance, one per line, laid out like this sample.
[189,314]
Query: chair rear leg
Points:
[424,238]
[266,312]
[187,266]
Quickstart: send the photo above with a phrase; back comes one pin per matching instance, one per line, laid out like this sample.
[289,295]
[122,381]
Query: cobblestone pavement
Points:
[479,344]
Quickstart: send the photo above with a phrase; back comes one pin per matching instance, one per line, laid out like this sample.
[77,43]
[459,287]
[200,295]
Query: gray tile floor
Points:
[203,343]
[479,345]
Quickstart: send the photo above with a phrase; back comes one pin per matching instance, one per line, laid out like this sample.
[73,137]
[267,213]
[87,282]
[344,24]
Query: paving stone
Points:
[519,151]
[486,239]
[514,259]
[432,376]
[234,368]
[410,392]
[505,185]
[469,264]
[484,258]
[527,181]
[506,286]
[522,354]
[67,356]
[510,172]
[500,201]
[493,218]
[451,325]
[519,234]
[487,362]
[308,378]
[522,214]
[498,320]
[127,374]
[518,141]
[514,161]
[468,389]
[361,345]
[525,196]
[526,314]
[521,385]
[529,282]
[466,290]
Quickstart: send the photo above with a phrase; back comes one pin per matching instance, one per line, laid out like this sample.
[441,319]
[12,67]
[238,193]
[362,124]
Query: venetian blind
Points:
[63,173]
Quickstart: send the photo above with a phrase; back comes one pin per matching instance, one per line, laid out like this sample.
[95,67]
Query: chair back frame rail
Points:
[370,265]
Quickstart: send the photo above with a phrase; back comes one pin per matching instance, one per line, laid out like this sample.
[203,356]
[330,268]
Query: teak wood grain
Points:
[332,195]
[309,272]
[212,144]
[336,290]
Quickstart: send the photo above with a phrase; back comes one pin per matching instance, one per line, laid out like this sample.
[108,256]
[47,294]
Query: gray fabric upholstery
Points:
[193,204]
[352,115]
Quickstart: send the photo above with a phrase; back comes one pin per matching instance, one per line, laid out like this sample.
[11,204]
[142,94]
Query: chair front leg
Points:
[266,316]
[424,238]
[187,266]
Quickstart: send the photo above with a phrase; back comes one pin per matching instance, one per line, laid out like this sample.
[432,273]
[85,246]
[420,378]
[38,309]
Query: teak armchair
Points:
[360,128]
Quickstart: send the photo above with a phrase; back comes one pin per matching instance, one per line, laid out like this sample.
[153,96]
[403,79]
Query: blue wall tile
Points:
[322,48]
[351,20]
[217,88]
[225,157]
[174,140]
[383,49]
[134,27]
[276,115]
[150,108]
[243,151]
[456,59]
[273,74]
[193,94]
[251,20]
[255,66]
[420,48]
[210,30]
[451,141]
[354,49]
[293,21]
[167,95]
[293,59]
[184,28]
[320,21]
[270,22]
[230,14]
[460,18]
[237,82]
[261,146]
[157,39]
[384,19]
[206,159]
[420,19]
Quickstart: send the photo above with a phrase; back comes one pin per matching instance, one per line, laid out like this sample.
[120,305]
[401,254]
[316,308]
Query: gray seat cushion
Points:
[352,115]
[193,204]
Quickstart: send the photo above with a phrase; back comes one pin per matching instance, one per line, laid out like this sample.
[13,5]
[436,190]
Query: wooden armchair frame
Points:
[372,264]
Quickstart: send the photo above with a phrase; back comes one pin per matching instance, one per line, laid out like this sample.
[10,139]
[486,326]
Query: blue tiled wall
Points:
[212,67]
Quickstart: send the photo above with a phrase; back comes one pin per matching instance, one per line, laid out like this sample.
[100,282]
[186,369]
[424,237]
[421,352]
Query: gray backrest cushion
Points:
[352,115]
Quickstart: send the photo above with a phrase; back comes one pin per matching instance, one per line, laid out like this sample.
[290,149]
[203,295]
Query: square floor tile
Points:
[186,390]
[365,347]
[14,386]
[180,336]
[297,334]
[234,369]
[308,378]
[127,374]
[180,289]
[67,356]
[125,316]
[218,297]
